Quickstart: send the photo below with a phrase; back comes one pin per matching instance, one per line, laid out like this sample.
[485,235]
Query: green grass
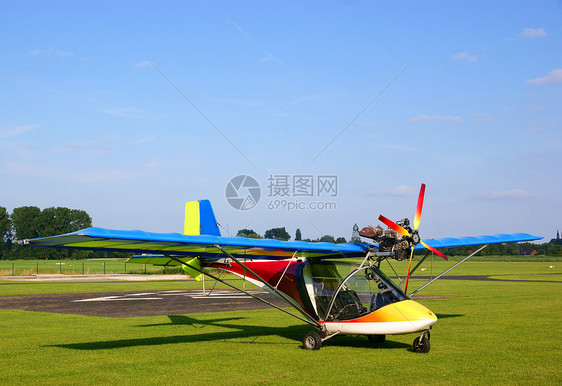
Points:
[488,332]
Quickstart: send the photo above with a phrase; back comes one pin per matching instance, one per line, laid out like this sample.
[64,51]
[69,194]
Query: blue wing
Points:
[200,245]
[204,246]
[479,240]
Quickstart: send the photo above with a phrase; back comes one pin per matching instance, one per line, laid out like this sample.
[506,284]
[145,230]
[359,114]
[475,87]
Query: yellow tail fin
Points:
[200,219]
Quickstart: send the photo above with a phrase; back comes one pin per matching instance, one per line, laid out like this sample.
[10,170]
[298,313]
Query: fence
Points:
[80,267]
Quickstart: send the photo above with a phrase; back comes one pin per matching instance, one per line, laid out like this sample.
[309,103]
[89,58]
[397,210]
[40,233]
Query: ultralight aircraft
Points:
[336,288]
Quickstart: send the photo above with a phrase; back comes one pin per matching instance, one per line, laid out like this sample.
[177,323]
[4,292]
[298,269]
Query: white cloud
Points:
[143,63]
[533,33]
[91,148]
[465,56]
[139,141]
[240,29]
[536,107]
[482,117]
[513,194]
[436,118]
[270,58]
[397,191]
[89,176]
[12,131]
[310,98]
[128,112]
[554,76]
[113,175]
[100,146]
[30,170]
[50,52]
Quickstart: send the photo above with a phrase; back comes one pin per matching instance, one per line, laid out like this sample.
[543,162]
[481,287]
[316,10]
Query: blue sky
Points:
[97,111]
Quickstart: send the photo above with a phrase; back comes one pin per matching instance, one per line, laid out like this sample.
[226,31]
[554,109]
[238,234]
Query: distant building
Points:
[557,240]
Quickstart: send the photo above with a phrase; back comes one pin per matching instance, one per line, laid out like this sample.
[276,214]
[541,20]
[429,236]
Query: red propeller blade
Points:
[433,250]
[417,217]
[392,225]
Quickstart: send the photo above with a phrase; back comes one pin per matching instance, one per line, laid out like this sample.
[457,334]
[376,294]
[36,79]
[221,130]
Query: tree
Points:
[5,234]
[328,239]
[341,240]
[298,235]
[249,233]
[59,220]
[277,233]
[30,222]
[24,222]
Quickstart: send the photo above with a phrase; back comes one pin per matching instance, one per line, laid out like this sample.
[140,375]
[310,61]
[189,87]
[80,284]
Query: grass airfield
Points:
[505,330]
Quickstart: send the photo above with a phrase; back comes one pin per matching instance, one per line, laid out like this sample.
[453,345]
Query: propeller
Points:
[414,235]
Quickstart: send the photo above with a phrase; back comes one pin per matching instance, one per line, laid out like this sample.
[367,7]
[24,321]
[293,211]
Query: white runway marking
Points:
[197,295]
[221,295]
[118,298]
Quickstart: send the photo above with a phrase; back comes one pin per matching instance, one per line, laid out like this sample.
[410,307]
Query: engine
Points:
[391,241]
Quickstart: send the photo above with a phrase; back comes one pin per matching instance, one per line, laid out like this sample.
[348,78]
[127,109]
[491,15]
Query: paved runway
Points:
[130,304]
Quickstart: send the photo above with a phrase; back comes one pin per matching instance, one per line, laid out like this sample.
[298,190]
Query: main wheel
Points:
[312,341]
[422,346]
[376,338]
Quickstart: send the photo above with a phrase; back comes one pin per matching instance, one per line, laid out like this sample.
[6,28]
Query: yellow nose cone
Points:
[409,310]
[405,311]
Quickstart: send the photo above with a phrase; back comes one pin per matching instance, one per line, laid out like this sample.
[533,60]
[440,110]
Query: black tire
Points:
[423,346]
[378,339]
[312,341]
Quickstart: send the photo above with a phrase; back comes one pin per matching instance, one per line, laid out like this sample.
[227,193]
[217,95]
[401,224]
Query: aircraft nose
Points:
[418,316]
[410,310]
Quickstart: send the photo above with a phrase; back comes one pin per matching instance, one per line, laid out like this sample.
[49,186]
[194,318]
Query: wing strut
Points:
[313,323]
[284,272]
[448,269]
[274,289]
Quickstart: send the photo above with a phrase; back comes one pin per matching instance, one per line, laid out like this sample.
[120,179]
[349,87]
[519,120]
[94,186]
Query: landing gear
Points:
[421,343]
[312,341]
[377,339]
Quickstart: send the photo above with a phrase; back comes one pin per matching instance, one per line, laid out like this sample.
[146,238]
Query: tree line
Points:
[28,222]
[282,234]
[507,249]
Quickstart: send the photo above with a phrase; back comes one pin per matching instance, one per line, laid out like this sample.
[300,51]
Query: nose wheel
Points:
[421,343]
[377,339]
